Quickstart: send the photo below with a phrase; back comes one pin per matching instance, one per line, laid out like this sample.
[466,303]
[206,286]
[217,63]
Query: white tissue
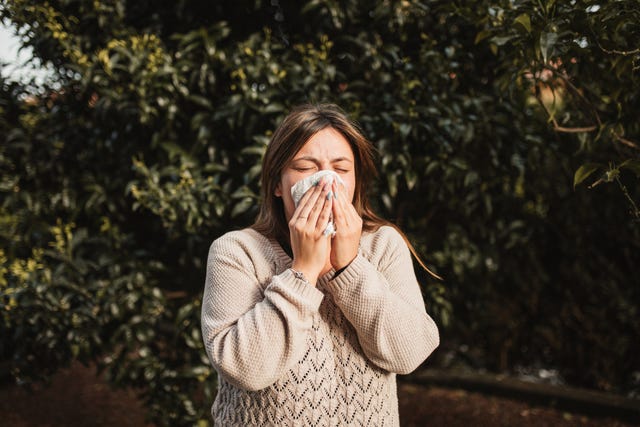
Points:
[302,186]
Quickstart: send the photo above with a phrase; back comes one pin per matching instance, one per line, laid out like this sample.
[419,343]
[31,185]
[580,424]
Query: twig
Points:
[635,211]
[626,141]
[572,130]
[591,128]
[617,52]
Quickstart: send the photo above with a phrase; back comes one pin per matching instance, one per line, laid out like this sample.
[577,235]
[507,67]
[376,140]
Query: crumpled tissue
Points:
[302,186]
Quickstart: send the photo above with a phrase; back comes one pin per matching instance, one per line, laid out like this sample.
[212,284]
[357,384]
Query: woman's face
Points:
[326,150]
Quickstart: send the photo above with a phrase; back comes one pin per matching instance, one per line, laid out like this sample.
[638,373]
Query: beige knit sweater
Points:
[291,354]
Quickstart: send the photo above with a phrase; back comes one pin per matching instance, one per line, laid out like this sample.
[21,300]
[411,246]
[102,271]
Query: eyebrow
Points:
[313,159]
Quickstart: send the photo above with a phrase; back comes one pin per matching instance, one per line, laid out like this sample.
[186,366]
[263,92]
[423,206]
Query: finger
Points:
[339,214]
[323,199]
[307,202]
[339,189]
[325,214]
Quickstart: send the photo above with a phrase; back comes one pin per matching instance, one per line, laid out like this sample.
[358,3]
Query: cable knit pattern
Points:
[290,354]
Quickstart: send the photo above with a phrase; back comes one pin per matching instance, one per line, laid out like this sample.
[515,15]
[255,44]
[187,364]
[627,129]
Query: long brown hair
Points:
[295,130]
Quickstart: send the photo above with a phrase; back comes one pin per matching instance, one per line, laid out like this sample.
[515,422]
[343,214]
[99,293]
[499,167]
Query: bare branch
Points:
[634,208]
[626,141]
[617,52]
[573,130]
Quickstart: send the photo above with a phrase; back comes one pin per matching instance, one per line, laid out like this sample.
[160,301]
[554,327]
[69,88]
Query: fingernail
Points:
[329,195]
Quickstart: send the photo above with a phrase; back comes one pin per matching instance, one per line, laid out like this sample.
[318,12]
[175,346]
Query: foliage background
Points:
[117,174]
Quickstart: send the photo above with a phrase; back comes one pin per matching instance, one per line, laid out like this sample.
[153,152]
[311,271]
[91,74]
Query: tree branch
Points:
[572,130]
[626,141]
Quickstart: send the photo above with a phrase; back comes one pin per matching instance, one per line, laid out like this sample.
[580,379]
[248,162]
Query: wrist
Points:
[300,275]
[340,265]
[337,273]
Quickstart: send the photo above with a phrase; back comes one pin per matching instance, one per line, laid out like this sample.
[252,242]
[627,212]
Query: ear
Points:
[278,191]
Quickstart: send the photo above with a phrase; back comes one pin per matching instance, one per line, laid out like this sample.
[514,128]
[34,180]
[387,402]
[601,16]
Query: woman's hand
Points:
[309,245]
[344,245]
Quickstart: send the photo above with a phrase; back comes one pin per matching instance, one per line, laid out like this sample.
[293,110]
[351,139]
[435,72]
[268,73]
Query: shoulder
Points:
[384,235]
[240,243]
[383,242]
[246,236]
[246,250]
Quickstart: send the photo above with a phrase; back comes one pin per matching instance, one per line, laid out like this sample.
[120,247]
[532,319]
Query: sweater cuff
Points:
[348,276]
[298,291]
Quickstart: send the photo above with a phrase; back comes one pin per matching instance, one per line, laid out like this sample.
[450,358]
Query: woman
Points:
[304,327]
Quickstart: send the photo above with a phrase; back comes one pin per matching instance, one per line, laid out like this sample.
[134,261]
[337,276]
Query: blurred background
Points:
[508,140]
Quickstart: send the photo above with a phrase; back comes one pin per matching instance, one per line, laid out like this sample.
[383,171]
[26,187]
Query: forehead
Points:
[326,144]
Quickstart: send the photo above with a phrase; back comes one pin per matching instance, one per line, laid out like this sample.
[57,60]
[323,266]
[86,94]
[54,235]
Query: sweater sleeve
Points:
[253,335]
[385,306]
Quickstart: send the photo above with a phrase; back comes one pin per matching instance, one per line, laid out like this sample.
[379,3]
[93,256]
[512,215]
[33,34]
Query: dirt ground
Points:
[78,398]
